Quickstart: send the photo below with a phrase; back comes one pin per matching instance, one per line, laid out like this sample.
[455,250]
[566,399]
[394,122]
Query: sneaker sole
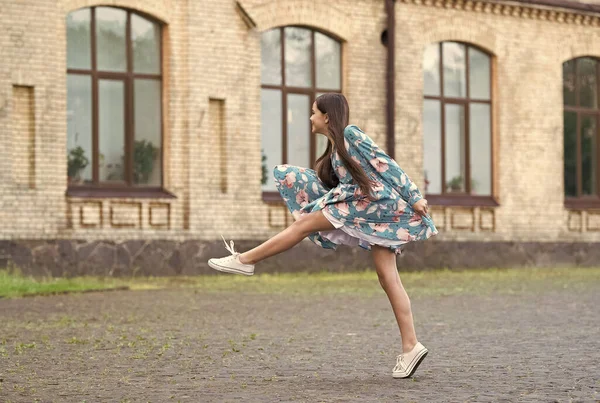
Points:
[228,269]
[417,361]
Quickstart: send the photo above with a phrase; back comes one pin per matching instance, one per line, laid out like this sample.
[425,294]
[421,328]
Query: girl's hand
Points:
[421,207]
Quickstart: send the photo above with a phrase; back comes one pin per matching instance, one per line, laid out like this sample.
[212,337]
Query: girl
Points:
[357,196]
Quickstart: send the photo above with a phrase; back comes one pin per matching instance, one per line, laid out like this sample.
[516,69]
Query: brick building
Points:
[135,133]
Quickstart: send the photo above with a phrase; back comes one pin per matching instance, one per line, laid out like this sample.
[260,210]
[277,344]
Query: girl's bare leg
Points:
[385,264]
[292,235]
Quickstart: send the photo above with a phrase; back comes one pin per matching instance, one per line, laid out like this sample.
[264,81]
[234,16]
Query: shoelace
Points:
[229,247]
[399,366]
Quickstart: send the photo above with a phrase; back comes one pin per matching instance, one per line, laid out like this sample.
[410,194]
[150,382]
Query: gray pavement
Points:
[191,345]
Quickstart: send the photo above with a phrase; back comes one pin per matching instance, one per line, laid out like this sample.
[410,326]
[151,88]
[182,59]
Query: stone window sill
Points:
[129,193]
[582,203]
[434,200]
[461,200]
[272,197]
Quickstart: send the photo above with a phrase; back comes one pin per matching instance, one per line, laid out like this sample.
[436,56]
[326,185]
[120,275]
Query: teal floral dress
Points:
[388,221]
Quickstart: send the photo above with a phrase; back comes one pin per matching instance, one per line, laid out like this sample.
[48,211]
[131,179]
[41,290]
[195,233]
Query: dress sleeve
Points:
[381,164]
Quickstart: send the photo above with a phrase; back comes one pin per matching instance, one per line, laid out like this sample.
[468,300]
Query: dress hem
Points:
[344,235]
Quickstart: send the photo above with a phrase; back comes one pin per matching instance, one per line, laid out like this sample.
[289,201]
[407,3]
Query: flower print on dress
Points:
[360,204]
[341,172]
[289,179]
[343,209]
[380,227]
[380,164]
[302,198]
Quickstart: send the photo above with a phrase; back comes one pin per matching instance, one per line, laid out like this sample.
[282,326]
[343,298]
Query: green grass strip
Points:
[426,283]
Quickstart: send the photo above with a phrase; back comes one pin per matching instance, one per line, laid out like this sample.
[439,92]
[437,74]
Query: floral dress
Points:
[389,220]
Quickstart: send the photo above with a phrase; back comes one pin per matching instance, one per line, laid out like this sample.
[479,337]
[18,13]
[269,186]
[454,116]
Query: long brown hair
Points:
[336,107]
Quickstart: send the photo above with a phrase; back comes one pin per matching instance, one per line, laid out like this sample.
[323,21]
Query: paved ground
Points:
[197,346]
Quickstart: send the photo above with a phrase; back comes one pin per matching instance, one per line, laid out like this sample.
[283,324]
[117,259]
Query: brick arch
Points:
[579,47]
[317,14]
[158,9]
[461,30]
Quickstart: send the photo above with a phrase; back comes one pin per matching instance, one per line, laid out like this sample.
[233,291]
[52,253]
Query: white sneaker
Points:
[407,363]
[231,264]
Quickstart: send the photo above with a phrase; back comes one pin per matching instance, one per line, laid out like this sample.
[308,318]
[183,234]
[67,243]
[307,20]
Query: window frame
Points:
[583,201]
[312,91]
[463,198]
[128,77]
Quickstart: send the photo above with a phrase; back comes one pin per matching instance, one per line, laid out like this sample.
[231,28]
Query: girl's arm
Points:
[382,164]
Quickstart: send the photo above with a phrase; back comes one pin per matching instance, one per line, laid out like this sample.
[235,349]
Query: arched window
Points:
[297,65]
[457,124]
[114,93]
[581,78]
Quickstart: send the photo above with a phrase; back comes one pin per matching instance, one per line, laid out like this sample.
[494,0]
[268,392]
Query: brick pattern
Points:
[334,17]
[23,137]
[212,67]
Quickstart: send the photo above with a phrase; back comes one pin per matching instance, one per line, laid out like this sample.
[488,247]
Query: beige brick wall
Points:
[212,115]
[529,49]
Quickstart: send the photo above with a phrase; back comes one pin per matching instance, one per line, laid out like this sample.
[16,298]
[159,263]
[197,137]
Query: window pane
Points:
[145,39]
[111,134]
[328,59]
[321,145]
[431,70]
[570,157]
[455,148]
[454,70]
[569,83]
[271,136]
[110,39]
[270,56]
[298,130]
[479,74]
[432,146]
[147,155]
[589,135]
[78,40]
[298,57]
[79,128]
[480,143]
[321,139]
[586,70]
